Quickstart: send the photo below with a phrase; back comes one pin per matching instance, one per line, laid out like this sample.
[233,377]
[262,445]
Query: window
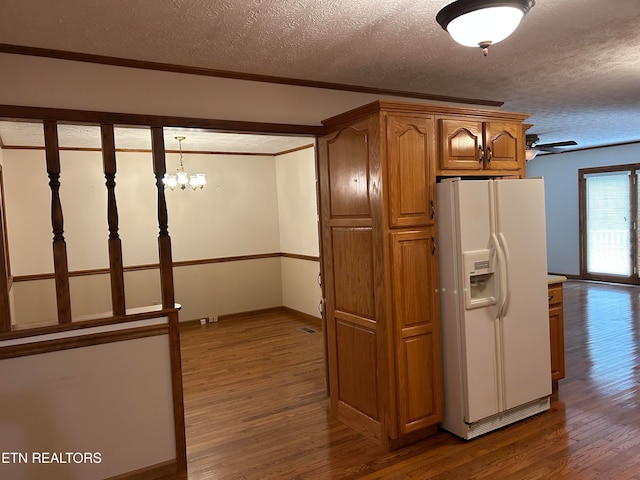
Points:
[608,220]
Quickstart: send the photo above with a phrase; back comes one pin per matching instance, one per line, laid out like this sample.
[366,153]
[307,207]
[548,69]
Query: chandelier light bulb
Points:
[182,179]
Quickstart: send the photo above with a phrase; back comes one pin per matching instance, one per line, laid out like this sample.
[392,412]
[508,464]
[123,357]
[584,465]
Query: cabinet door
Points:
[502,145]
[416,330]
[410,152]
[556,332]
[461,144]
[346,168]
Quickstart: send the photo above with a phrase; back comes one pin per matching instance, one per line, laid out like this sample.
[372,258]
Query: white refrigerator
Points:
[494,305]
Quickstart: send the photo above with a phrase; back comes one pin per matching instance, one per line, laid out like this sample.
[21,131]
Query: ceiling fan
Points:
[533,147]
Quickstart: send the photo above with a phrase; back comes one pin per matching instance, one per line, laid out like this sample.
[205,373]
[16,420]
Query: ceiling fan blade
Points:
[550,150]
[545,146]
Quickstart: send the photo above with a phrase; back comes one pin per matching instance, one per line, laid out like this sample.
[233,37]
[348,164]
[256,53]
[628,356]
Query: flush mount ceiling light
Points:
[482,23]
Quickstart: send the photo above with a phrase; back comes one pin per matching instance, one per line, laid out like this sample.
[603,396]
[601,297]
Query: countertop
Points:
[556,279]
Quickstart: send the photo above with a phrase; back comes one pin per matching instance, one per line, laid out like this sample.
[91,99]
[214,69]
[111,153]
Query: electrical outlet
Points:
[210,319]
[215,318]
[203,321]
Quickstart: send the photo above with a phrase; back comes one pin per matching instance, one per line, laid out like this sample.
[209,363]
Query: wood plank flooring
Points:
[256,407]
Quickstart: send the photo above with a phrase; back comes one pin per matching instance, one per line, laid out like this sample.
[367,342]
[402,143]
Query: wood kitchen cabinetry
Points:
[377,169]
[556,332]
[476,145]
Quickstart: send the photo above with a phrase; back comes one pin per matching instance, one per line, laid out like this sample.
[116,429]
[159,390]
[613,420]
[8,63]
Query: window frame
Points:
[634,169]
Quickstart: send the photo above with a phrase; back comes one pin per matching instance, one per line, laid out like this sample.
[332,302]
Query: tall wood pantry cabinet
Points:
[377,169]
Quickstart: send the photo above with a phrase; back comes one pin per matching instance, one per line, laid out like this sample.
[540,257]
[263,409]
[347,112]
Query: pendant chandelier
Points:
[482,23]
[182,179]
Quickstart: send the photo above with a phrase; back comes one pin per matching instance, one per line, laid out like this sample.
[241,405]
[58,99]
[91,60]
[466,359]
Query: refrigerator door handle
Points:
[507,261]
[504,259]
[494,226]
[502,275]
[502,300]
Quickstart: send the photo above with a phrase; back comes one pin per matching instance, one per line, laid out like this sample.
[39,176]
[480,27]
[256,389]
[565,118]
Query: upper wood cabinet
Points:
[461,145]
[478,145]
[502,142]
[349,192]
[410,158]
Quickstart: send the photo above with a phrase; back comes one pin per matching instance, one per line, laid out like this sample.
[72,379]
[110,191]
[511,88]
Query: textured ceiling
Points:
[574,65]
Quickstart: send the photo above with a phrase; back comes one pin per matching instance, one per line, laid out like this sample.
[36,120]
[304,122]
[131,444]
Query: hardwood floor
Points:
[256,408]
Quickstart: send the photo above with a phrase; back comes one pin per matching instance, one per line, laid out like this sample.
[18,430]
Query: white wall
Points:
[113,399]
[236,214]
[228,287]
[251,205]
[300,288]
[28,212]
[560,173]
[297,203]
[84,86]
[297,212]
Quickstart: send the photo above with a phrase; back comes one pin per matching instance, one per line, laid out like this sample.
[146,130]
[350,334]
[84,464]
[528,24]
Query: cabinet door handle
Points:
[433,246]
[481,159]
[489,154]
[433,209]
[320,279]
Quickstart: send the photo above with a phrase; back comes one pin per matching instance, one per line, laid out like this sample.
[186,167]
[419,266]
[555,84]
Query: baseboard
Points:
[317,321]
[250,313]
[160,471]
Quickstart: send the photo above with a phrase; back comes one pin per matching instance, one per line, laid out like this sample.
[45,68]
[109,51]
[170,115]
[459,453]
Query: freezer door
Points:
[525,325]
[478,335]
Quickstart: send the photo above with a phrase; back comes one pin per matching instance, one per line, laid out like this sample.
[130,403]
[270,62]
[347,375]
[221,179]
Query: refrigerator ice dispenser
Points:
[479,278]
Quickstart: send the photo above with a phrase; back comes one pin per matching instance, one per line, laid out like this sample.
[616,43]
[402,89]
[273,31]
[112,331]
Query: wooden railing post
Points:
[60,265]
[116,270]
[164,240]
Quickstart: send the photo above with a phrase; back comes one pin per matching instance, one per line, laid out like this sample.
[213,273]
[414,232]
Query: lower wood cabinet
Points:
[416,329]
[556,331]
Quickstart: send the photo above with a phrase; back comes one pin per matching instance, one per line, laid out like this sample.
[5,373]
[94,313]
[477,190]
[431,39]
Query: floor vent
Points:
[308,330]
